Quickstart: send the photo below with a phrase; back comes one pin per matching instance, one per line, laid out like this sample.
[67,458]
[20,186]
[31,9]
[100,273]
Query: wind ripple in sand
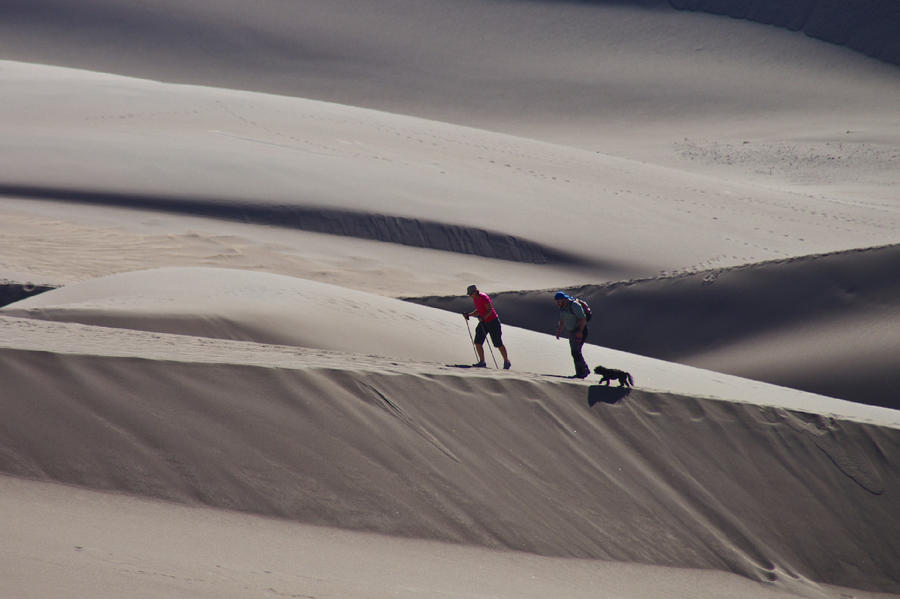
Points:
[828,436]
[395,410]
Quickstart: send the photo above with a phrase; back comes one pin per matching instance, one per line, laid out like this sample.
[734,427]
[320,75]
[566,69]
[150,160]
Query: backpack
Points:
[584,306]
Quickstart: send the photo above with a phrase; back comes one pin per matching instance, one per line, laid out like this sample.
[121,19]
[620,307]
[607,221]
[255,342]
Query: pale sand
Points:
[55,548]
[242,252]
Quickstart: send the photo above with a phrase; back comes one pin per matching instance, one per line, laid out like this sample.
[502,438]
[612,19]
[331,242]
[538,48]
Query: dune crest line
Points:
[388,228]
[652,477]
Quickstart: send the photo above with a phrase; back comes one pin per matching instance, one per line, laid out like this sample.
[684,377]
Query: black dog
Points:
[608,374]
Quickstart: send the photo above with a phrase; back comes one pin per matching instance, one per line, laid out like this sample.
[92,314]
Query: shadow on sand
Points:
[605,394]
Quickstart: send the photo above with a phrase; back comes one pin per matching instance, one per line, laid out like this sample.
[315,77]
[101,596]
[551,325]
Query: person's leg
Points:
[497,340]
[480,336]
[506,363]
[581,367]
[586,370]
[574,350]
[580,364]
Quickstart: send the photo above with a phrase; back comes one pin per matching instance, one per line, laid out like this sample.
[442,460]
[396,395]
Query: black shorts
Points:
[492,327]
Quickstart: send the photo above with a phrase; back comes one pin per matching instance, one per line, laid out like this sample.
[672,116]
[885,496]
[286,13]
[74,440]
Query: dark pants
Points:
[492,327]
[581,367]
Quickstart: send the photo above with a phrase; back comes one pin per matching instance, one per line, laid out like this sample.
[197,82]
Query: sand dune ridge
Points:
[768,321]
[363,225]
[409,455]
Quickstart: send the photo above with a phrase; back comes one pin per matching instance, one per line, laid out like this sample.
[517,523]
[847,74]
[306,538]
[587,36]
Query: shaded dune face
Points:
[824,323]
[388,228]
[210,304]
[638,476]
[12,291]
[865,28]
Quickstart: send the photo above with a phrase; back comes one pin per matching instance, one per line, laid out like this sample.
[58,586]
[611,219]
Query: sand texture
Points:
[234,244]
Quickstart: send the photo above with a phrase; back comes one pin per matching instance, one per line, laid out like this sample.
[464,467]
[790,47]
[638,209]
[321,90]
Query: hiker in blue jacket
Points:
[573,323]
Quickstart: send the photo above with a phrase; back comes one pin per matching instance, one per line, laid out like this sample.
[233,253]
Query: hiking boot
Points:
[506,365]
[479,365]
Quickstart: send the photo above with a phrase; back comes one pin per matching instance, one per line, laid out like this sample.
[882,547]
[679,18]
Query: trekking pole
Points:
[471,339]
[492,356]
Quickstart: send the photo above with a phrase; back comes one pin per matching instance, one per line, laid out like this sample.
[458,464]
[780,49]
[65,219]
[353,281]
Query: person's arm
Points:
[579,314]
[476,311]
[582,322]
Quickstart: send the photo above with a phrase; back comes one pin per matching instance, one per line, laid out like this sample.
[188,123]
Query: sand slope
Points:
[325,168]
[865,28]
[574,470]
[597,72]
[383,442]
[826,324]
[148,549]
[266,308]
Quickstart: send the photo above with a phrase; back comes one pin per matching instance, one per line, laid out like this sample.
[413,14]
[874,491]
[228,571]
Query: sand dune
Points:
[387,228]
[274,309]
[225,398]
[576,71]
[865,28]
[148,549]
[826,324]
[400,447]
[348,171]
[575,470]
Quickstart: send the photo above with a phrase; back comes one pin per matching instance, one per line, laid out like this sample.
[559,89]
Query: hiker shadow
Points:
[606,394]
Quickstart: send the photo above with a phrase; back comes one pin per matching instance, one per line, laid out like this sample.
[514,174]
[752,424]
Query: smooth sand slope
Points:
[225,399]
[274,160]
[323,168]
[149,549]
[598,72]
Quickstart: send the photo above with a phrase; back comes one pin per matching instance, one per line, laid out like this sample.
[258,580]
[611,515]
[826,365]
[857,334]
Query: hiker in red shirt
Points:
[488,323]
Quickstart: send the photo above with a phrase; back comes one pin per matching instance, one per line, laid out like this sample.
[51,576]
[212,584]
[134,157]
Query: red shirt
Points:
[484,307]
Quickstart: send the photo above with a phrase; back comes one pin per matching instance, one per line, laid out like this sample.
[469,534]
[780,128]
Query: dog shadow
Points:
[606,394]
